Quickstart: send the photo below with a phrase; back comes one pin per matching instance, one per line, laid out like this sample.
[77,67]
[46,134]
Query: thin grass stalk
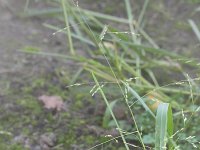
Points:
[66,19]
[141,16]
[130,19]
[134,121]
[111,112]
[58,30]
[118,83]
[134,36]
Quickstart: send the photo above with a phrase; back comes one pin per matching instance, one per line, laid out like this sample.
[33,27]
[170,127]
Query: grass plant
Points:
[130,60]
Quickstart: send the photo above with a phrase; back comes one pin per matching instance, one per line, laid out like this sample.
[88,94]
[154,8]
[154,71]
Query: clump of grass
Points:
[122,58]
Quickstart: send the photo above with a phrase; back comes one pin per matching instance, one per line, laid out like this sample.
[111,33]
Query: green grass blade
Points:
[130,18]
[161,127]
[142,13]
[164,126]
[194,28]
[66,19]
[170,127]
[49,11]
[134,38]
[76,76]
[134,93]
[46,11]
[102,16]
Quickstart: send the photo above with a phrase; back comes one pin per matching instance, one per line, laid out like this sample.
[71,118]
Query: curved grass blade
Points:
[194,28]
[134,93]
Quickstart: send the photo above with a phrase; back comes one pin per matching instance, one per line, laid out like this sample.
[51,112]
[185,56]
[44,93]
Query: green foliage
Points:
[164,127]
[132,60]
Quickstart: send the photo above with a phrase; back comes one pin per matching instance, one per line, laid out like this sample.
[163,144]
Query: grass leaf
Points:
[134,93]
[64,4]
[164,126]
[194,28]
